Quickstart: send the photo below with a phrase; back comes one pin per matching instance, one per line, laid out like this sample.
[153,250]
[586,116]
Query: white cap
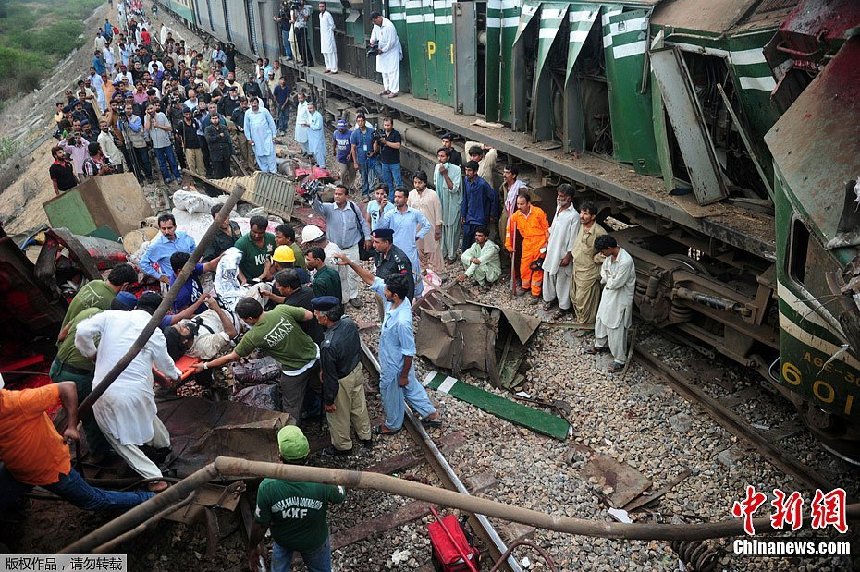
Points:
[311,233]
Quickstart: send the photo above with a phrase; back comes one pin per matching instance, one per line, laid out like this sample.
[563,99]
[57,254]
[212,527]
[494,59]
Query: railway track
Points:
[429,453]
[772,442]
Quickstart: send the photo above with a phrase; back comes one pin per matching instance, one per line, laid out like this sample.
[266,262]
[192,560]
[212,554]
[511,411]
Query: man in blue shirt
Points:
[345,227]
[191,289]
[409,225]
[282,105]
[361,150]
[343,151]
[155,262]
[397,382]
[480,204]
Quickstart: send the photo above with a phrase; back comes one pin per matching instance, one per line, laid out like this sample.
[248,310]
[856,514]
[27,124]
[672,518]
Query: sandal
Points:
[383,430]
[435,423]
[157,486]
[594,350]
[615,367]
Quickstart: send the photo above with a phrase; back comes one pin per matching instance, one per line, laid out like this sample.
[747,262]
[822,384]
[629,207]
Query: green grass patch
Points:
[35,35]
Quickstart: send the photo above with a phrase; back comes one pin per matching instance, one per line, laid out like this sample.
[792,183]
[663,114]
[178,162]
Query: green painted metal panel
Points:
[581,18]
[69,210]
[806,340]
[492,60]
[397,15]
[625,39]
[417,42]
[442,56]
[511,10]
[551,16]
[534,419]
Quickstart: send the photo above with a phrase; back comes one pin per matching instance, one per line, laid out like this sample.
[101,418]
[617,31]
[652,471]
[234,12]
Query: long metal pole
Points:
[243,468]
[86,405]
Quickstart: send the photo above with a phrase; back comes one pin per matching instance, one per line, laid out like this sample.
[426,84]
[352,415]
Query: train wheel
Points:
[688,263]
[831,432]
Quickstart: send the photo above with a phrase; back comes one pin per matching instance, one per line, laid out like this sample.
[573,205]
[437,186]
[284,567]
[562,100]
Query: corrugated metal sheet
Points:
[275,193]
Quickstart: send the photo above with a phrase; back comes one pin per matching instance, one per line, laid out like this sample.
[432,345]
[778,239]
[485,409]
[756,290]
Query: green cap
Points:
[292,443]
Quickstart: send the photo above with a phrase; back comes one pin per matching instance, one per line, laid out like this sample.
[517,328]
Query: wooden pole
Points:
[86,405]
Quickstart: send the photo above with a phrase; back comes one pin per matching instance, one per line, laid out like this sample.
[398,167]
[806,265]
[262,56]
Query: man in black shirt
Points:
[391,260]
[289,290]
[454,156]
[227,235]
[61,171]
[389,153]
[193,142]
[343,387]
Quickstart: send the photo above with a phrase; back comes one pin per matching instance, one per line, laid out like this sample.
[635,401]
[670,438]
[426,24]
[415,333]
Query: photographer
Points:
[385,45]
[132,129]
[109,148]
[301,15]
[284,22]
[77,149]
[387,143]
[160,131]
[97,164]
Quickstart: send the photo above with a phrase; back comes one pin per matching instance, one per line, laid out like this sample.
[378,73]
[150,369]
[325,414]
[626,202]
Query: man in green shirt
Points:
[294,511]
[277,333]
[257,247]
[70,365]
[98,293]
[326,279]
[286,235]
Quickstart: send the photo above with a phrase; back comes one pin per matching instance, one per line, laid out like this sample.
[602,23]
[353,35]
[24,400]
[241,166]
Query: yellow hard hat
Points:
[284,254]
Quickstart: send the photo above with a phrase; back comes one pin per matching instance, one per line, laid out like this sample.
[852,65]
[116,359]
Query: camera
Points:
[378,135]
[373,51]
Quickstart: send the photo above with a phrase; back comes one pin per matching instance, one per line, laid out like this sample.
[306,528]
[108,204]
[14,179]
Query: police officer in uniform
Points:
[343,389]
[390,259]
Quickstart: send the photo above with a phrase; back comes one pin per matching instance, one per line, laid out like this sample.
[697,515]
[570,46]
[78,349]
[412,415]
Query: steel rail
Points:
[733,422]
[479,523]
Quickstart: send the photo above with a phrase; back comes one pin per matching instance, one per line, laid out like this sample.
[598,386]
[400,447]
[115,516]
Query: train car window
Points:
[797,253]
[808,265]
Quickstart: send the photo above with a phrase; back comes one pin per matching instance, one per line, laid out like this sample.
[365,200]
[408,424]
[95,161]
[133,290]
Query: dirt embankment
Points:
[24,181]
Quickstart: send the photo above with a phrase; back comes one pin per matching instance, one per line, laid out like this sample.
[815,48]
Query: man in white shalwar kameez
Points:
[615,312]
[260,132]
[126,413]
[558,264]
[327,45]
[384,37]
[316,135]
[302,120]
[448,181]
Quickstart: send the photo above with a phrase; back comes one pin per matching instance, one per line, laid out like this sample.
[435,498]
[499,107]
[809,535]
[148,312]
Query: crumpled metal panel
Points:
[816,143]
[201,430]
[460,334]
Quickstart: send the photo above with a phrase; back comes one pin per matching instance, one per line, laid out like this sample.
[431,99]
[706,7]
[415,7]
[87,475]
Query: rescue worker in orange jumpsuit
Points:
[532,224]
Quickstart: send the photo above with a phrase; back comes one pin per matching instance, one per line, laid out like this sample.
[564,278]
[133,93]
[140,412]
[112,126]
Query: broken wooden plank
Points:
[372,526]
[644,500]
